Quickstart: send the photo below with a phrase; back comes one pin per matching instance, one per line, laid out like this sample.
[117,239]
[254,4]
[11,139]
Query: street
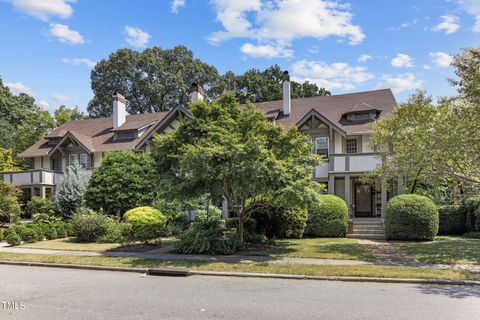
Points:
[50,293]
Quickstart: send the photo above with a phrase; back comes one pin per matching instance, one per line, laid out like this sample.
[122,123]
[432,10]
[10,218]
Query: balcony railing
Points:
[346,163]
[38,177]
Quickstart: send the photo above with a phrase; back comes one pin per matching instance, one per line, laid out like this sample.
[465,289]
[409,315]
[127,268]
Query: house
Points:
[337,125]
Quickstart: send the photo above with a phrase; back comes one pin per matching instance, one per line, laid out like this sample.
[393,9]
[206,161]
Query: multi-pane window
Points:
[351,145]
[126,134]
[83,160]
[321,146]
[72,158]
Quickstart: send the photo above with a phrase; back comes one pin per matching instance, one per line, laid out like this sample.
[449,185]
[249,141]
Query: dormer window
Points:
[362,112]
[126,134]
[361,116]
[53,142]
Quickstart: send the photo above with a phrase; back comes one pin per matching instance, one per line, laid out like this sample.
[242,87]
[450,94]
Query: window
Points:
[321,146]
[72,158]
[53,142]
[83,160]
[127,134]
[352,145]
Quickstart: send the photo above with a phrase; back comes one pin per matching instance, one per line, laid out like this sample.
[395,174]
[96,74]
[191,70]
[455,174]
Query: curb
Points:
[183,272]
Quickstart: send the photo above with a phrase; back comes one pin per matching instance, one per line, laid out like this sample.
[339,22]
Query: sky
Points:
[49,47]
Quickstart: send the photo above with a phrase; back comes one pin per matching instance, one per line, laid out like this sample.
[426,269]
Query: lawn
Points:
[311,270]
[445,250]
[319,248]
[70,244]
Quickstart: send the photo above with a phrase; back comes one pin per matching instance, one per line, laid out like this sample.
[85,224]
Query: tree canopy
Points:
[232,152]
[64,114]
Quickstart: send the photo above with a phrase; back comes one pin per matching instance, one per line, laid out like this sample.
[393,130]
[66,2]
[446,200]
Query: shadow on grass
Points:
[456,292]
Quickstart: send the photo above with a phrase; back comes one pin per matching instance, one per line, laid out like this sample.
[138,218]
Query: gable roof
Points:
[333,108]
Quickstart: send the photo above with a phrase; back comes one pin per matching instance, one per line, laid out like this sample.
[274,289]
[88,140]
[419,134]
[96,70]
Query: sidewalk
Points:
[164,254]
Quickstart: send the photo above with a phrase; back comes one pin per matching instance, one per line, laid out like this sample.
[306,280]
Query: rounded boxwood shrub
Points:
[452,219]
[28,235]
[61,232]
[13,238]
[328,217]
[147,223]
[50,233]
[411,217]
[38,230]
[89,226]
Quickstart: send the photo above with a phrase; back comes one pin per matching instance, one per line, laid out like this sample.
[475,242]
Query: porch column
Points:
[348,195]
[331,184]
[224,209]
[42,193]
[383,197]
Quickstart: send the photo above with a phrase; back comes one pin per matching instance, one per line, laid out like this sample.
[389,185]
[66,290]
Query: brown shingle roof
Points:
[333,107]
[96,134]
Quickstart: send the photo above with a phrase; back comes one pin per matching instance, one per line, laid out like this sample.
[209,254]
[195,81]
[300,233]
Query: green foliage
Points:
[207,237]
[327,217]
[89,226]
[278,222]
[115,233]
[411,217]
[467,69]
[39,206]
[232,152]
[452,219]
[147,223]
[249,225]
[208,212]
[2,236]
[124,180]
[50,233]
[63,114]
[9,207]
[39,231]
[70,195]
[472,209]
[13,239]
[178,224]
[7,161]
[69,229]
[474,235]
[28,235]
[61,232]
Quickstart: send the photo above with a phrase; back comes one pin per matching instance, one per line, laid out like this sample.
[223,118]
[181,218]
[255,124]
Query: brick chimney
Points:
[196,93]
[287,98]
[119,109]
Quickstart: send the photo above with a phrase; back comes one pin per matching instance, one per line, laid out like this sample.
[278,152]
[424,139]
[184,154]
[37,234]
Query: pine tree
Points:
[70,195]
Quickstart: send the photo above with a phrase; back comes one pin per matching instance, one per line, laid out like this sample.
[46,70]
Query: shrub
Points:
[69,229]
[452,219]
[2,236]
[208,213]
[411,217]
[61,232]
[277,222]
[249,226]
[114,233]
[208,237]
[9,207]
[13,238]
[89,226]
[38,230]
[50,233]
[147,223]
[474,235]
[327,217]
[123,181]
[70,195]
[178,224]
[472,211]
[28,235]
[38,206]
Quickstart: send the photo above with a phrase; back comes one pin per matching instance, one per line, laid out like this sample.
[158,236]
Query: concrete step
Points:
[372,221]
[366,236]
[368,232]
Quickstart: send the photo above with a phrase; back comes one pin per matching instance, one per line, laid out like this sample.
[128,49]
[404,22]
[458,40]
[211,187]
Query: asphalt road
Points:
[48,293]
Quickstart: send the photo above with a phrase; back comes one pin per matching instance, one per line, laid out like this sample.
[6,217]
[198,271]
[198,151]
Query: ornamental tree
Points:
[70,194]
[229,151]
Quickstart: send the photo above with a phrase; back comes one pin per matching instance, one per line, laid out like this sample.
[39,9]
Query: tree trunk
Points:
[240,229]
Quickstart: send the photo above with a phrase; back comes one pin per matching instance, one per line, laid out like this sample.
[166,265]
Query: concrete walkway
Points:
[164,254]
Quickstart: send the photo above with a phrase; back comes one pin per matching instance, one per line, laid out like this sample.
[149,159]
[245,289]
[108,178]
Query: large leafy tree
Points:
[153,80]
[232,152]
[467,69]
[123,181]
[64,114]
[7,161]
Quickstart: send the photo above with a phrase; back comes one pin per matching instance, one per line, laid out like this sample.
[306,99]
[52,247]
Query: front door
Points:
[363,200]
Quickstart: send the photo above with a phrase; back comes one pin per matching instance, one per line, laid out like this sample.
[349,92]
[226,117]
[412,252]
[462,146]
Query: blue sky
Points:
[48,47]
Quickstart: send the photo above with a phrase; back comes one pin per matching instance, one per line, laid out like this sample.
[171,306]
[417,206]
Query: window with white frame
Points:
[83,160]
[352,145]
[72,158]
[321,146]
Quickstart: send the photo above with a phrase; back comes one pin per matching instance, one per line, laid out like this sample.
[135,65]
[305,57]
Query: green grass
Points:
[312,270]
[445,250]
[318,248]
[70,244]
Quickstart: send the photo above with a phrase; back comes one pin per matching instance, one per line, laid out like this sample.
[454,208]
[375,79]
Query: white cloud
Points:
[177,4]
[282,21]
[78,61]
[449,24]
[339,75]
[476,27]
[364,58]
[441,59]
[42,103]
[43,9]
[266,51]
[18,87]
[470,6]
[60,97]
[64,34]
[136,37]
[402,61]
[400,83]
[426,67]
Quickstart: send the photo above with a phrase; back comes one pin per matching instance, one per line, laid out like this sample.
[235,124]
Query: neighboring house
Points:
[337,125]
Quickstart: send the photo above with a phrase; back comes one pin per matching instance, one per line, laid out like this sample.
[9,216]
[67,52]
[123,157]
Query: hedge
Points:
[411,217]
[277,222]
[328,217]
[452,219]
